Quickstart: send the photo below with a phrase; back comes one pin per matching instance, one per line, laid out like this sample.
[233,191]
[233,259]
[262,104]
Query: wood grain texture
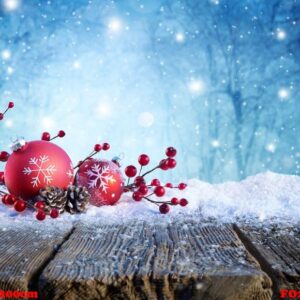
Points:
[23,252]
[142,261]
[277,249]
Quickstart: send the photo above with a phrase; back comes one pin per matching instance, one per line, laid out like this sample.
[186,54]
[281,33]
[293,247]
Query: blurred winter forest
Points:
[219,80]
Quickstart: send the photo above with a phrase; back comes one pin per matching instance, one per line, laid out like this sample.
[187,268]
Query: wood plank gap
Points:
[265,266]
[33,284]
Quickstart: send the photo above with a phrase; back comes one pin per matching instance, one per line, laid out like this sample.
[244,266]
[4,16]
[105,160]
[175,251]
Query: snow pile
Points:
[258,198]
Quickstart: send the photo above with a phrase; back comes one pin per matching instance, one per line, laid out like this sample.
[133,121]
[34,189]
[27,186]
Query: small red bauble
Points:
[35,167]
[164,208]
[4,199]
[103,180]
[159,191]
[39,205]
[130,171]
[155,182]
[171,163]
[20,205]
[2,181]
[169,185]
[46,136]
[10,105]
[137,196]
[143,189]
[54,213]
[175,201]
[4,156]
[163,165]
[144,160]
[105,146]
[1,116]
[40,215]
[183,202]
[97,147]
[181,186]
[61,134]
[10,200]
[171,152]
[138,180]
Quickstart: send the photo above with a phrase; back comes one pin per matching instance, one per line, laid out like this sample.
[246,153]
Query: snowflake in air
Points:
[99,177]
[38,170]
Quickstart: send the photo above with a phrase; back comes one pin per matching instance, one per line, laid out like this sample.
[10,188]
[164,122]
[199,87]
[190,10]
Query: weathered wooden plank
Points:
[277,248]
[142,261]
[24,250]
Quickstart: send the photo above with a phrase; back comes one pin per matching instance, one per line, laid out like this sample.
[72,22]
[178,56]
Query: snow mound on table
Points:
[263,196]
[267,196]
[260,197]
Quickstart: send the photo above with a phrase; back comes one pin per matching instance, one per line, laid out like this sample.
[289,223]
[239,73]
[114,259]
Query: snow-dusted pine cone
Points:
[77,199]
[53,197]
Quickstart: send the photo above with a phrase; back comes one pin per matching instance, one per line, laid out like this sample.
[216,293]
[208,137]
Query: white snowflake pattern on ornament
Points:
[40,172]
[99,177]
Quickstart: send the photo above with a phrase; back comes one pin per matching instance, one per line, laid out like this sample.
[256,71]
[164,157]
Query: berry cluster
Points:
[20,206]
[47,137]
[141,190]
[97,148]
[9,106]
[3,154]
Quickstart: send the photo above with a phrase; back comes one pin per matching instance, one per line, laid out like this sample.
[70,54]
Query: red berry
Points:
[1,116]
[4,156]
[10,105]
[183,202]
[155,182]
[10,200]
[54,213]
[137,196]
[40,205]
[171,152]
[164,208]
[143,189]
[175,201]
[61,134]
[97,147]
[40,215]
[171,163]
[181,186]
[159,191]
[4,198]
[138,180]
[169,185]
[20,205]
[144,159]
[46,136]
[163,164]
[130,171]
[105,146]
[2,178]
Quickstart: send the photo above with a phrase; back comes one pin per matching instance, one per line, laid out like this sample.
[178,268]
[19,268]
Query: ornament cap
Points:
[117,160]
[18,145]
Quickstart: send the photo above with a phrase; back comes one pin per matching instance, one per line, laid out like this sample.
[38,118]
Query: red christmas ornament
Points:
[36,165]
[103,180]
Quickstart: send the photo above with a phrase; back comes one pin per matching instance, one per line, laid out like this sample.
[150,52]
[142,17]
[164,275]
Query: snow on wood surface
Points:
[137,260]
[24,250]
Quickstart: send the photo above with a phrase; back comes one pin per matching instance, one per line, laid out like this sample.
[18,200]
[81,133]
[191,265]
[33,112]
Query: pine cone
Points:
[53,197]
[77,199]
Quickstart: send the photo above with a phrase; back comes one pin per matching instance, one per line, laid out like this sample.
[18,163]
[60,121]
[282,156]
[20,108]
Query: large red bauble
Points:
[103,179]
[37,165]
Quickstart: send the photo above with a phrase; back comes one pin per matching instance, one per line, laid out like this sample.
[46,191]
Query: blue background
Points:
[218,80]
